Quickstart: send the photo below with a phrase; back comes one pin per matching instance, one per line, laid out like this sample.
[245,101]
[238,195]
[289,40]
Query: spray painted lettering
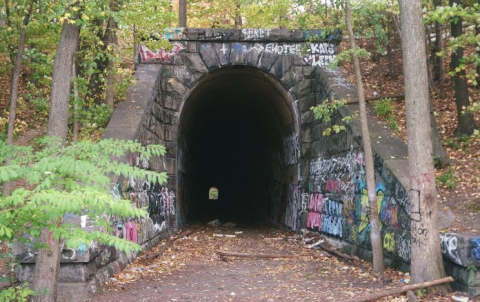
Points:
[320,54]
[162,55]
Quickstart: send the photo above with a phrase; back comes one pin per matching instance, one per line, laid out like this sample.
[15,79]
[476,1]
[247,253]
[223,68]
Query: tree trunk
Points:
[376,238]
[182,13]
[439,61]
[477,32]
[238,16]
[112,40]
[17,68]
[440,155]
[47,264]
[76,126]
[466,124]
[96,83]
[426,256]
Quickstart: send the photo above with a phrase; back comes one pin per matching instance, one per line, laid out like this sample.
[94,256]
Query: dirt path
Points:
[191,271]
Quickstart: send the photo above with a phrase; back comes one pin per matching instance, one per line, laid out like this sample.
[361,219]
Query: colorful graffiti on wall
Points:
[158,200]
[339,204]
[163,55]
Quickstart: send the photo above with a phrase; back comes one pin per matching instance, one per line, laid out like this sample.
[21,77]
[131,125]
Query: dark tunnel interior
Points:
[231,124]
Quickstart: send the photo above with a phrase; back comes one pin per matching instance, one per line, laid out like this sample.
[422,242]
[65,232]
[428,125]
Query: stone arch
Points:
[271,129]
[278,68]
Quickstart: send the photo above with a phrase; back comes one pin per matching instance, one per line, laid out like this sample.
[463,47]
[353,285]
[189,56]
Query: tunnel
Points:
[231,131]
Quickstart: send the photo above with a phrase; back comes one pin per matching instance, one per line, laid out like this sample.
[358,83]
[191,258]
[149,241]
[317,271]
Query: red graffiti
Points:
[160,54]
[333,186]
[314,219]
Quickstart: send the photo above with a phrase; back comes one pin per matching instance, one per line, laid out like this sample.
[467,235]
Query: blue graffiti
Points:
[475,249]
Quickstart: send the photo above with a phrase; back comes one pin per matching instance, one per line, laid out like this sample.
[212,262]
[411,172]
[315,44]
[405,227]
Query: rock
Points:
[445,218]
[215,223]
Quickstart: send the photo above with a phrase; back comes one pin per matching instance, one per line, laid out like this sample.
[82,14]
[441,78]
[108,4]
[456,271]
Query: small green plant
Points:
[454,144]
[326,110]
[385,109]
[471,273]
[448,178]
[122,86]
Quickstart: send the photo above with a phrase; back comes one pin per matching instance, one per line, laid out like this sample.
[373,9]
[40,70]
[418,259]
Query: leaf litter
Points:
[191,270]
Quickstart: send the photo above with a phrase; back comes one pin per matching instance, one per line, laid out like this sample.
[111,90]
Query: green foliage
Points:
[97,116]
[385,109]
[471,273]
[73,179]
[326,110]
[347,55]
[469,14]
[121,88]
[448,178]
[18,293]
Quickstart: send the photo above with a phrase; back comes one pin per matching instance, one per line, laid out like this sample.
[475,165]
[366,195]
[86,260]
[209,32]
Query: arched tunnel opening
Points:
[232,127]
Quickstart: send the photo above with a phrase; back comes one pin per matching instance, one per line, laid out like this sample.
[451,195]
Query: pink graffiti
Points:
[314,219]
[131,230]
[333,186]
[160,54]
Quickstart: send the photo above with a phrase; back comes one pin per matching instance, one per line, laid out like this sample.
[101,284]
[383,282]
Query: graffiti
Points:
[131,231]
[334,186]
[403,245]
[275,48]
[181,73]
[255,33]
[137,161]
[448,243]
[474,249]
[332,219]
[363,211]
[82,249]
[348,171]
[314,218]
[69,254]
[320,54]
[291,149]
[104,257]
[174,32]
[389,242]
[214,34]
[293,206]
[163,55]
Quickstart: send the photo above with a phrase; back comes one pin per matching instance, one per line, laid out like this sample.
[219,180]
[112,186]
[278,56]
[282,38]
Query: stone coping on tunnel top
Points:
[251,35]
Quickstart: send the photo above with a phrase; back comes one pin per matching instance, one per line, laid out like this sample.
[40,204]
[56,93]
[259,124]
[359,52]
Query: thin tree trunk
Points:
[47,263]
[17,68]
[477,32]
[96,84]
[182,13]
[389,45]
[440,155]
[426,256]
[76,127]
[238,16]
[466,124]
[439,65]
[378,264]
[112,40]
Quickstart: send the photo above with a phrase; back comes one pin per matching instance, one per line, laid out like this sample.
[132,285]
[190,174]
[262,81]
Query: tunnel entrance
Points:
[234,129]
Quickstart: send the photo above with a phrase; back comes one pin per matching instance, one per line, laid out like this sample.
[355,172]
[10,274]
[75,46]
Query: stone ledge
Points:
[250,34]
